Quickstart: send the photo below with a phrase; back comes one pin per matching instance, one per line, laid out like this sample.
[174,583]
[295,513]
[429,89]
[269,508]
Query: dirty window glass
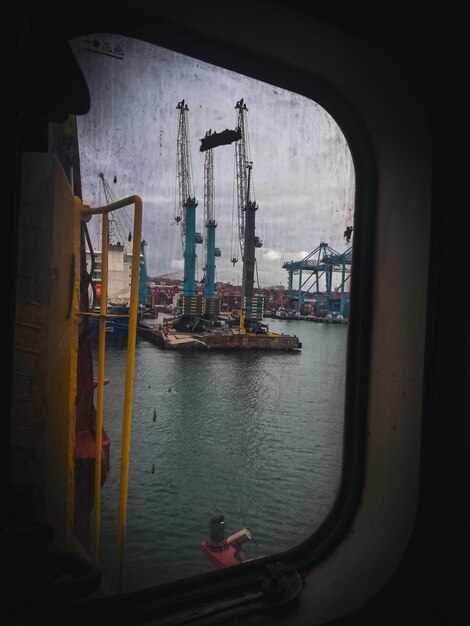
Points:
[236,451]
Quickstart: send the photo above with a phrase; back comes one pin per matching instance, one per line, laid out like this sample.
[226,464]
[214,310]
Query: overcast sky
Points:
[303,175]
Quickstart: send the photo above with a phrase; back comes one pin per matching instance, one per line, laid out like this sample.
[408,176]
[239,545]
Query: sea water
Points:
[255,436]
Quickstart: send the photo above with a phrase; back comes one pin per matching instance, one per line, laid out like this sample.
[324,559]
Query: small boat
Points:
[221,551]
[115,326]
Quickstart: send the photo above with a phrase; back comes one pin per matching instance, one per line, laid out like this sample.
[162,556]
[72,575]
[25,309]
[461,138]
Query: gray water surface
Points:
[254,436]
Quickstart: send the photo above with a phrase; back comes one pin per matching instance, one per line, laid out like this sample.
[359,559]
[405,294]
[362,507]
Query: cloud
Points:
[302,173]
[177,265]
[272,255]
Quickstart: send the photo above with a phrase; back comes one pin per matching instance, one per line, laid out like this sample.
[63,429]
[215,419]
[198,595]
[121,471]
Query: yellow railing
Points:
[86,213]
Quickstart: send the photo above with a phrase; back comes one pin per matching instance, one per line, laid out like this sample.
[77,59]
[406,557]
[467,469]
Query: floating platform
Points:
[225,340]
[311,318]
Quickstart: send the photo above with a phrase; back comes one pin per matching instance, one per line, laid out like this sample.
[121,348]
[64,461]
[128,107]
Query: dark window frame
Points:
[323,540]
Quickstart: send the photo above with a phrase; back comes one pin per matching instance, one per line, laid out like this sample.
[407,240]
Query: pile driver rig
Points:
[247,207]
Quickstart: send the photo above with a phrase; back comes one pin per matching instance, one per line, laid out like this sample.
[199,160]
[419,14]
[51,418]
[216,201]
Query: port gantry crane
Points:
[185,213]
[322,261]
[247,208]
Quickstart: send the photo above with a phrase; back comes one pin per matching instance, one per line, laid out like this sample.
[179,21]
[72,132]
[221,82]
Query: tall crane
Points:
[185,214]
[143,275]
[209,221]
[120,224]
[120,233]
[247,208]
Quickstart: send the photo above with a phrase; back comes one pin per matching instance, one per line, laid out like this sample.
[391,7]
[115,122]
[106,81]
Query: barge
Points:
[218,338]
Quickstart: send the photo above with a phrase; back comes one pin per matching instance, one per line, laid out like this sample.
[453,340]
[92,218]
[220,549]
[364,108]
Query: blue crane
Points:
[247,208]
[186,210]
[211,252]
[143,275]
[321,262]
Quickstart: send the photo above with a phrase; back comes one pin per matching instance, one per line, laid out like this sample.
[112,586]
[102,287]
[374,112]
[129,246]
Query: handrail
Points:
[86,213]
[100,385]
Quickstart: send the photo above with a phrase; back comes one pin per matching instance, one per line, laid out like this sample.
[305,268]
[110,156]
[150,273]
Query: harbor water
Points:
[255,436]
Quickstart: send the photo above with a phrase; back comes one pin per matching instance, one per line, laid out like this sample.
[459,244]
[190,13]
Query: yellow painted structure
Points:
[86,212]
[44,388]
[63,351]
[46,340]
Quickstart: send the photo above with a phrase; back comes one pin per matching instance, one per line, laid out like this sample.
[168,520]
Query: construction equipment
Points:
[120,224]
[120,231]
[210,251]
[321,262]
[185,213]
[247,208]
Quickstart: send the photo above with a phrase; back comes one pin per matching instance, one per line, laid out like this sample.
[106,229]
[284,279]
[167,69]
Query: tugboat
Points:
[223,552]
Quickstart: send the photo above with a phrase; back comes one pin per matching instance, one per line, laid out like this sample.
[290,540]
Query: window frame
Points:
[323,540]
[211,50]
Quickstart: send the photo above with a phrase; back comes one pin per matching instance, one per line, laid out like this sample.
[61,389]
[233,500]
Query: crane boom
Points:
[186,209]
[183,168]
[241,172]
[208,185]
[246,218]
[209,221]
[120,225]
[120,232]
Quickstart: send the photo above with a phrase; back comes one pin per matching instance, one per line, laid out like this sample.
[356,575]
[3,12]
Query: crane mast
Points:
[241,172]
[209,221]
[186,210]
[246,219]
[120,225]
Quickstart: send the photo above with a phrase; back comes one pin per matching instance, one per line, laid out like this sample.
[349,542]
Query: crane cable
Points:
[234,209]
[176,208]
[123,221]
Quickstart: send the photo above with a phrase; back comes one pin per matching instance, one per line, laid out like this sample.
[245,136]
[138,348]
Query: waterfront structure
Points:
[321,263]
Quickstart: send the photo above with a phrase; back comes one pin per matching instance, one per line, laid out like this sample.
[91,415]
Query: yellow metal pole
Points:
[126,428]
[100,387]
[242,322]
[87,212]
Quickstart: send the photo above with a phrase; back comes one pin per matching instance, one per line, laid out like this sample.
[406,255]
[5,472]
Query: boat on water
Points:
[229,334]
[117,324]
[118,287]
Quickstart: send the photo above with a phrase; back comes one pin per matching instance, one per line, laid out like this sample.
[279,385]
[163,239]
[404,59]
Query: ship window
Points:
[253,433]
[255,436]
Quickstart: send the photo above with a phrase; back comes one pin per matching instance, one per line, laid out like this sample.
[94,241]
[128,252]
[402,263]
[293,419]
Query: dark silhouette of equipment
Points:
[224,138]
